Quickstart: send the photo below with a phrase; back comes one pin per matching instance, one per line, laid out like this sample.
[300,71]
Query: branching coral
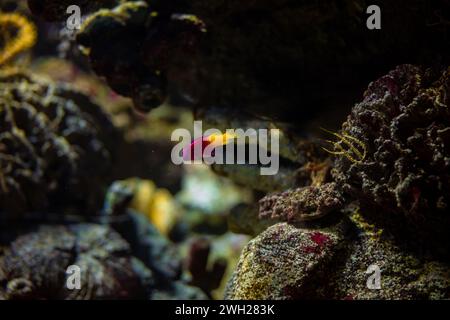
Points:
[352,153]
[17,34]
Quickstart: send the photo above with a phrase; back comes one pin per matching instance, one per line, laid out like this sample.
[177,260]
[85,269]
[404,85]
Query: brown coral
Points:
[55,147]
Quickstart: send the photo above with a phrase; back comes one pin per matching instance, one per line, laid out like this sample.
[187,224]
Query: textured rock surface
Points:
[282,59]
[403,275]
[281,260]
[284,262]
[34,265]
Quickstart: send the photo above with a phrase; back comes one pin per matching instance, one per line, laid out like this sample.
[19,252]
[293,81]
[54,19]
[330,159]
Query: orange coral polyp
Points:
[24,38]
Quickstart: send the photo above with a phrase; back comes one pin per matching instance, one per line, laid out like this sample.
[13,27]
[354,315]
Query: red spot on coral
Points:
[320,240]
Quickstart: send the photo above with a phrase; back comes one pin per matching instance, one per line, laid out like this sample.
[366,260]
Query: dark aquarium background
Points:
[92,205]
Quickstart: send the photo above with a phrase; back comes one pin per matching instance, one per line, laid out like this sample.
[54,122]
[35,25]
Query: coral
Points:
[404,122]
[34,265]
[368,229]
[17,34]
[132,46]
[56,148]
[392,156]
[302,204]
[241,64]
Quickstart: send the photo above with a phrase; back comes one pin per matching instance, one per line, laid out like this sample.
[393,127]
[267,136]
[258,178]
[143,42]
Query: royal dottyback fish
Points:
[195,150]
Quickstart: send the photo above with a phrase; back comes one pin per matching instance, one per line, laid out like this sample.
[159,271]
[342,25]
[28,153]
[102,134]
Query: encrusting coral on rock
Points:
[286,262]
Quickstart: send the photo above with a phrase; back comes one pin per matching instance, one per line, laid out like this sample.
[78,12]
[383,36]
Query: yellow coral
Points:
[354,154]
[157,204]
[17,35]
